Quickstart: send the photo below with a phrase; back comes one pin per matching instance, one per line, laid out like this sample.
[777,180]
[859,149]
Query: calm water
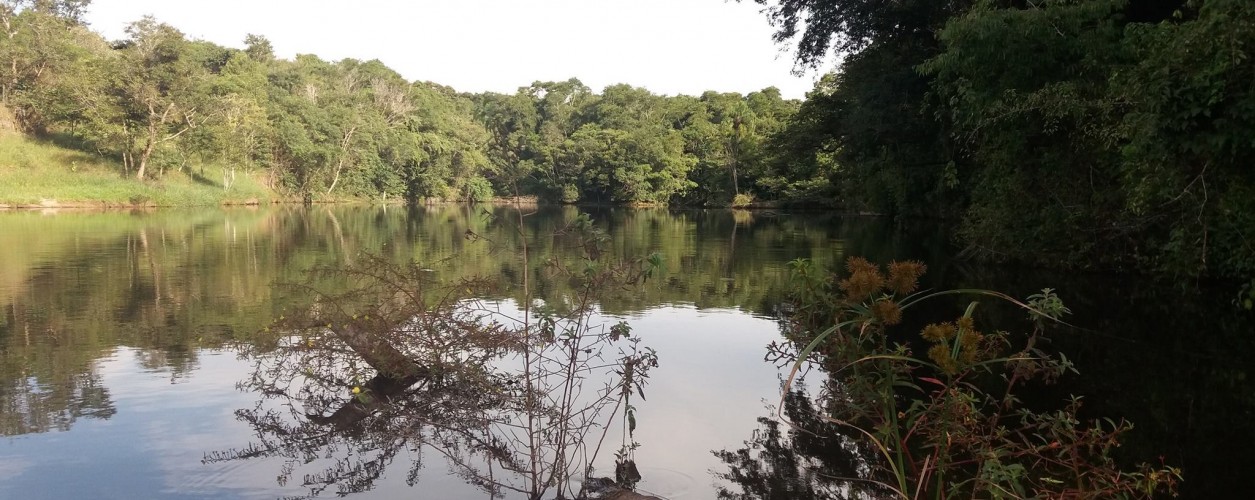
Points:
[119,335]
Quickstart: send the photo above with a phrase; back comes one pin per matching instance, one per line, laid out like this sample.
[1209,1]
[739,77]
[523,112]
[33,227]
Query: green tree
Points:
[259,48]
[893,151]
[154,86]
[43,42]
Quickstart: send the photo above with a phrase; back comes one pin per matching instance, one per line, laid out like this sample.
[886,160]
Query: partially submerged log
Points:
[396,373]
[377,352]
[374,396]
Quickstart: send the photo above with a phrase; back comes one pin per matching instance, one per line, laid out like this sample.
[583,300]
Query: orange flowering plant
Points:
[949,423]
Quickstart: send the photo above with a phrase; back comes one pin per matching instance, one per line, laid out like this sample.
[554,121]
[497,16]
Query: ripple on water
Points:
[243,478]
[667,483]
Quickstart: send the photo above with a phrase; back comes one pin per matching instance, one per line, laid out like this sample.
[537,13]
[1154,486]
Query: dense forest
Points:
[1083,133]
[158,101]
[1097,133]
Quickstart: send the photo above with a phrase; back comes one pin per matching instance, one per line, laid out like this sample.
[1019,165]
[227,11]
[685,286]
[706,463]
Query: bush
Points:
[949,423]
[570,194]
[478,189]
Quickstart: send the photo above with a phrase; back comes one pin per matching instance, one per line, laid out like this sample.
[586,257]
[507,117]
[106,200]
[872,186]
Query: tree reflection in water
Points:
[516,400]
[812,460]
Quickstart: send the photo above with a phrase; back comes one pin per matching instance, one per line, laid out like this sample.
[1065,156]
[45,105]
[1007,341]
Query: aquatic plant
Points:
[949,423]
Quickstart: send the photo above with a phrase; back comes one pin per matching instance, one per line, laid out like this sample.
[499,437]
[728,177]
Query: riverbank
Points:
[38,174]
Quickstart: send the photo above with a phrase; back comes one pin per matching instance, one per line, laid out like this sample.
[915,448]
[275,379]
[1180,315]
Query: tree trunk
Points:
[376,350]
[8,86]
[155,123]
[150,143]
[344,153]
[145,154]
[736,153]
[12,83]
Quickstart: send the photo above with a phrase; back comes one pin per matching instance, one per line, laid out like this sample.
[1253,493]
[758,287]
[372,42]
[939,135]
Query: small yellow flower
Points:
[357,390]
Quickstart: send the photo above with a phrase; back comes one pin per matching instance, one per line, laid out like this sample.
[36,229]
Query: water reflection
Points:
[75,285]
[812,459]
[32,404]
[330,436]
[398,359]
[108,321]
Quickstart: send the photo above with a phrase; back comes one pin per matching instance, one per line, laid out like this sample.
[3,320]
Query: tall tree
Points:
[897,152]
[155,85]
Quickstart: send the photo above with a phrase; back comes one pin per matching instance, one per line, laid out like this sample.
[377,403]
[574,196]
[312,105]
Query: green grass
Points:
[34,173]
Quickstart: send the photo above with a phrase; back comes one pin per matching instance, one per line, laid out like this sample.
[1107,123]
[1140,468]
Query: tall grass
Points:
[35,173]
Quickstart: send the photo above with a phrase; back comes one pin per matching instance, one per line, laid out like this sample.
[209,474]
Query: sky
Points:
[668,46]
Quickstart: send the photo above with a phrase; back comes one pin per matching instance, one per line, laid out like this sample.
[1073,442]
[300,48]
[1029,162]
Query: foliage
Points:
[864,139]
[563,142]
[950,423]
[158,102]
[1068,132]
[1246,296]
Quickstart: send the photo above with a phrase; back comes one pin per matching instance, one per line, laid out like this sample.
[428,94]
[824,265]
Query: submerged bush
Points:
[518,395]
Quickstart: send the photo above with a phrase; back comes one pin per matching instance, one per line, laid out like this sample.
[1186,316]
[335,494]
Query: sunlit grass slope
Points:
[36,173]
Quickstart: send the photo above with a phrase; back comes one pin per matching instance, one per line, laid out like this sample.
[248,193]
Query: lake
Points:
[130,351]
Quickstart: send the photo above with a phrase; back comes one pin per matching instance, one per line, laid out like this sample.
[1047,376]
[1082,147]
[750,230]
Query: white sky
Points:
[667,46]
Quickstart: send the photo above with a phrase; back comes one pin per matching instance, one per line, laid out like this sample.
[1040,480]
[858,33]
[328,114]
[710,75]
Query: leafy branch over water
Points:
[518,398]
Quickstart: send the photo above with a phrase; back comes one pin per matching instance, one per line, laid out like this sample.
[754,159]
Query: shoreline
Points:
[50,204]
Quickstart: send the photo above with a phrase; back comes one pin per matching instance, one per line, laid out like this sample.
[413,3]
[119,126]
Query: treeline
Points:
[564,143]
[1100,133]
[159,102]
[1065,132]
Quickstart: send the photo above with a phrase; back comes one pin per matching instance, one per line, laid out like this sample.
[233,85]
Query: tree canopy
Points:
[1065,132]
[159,102]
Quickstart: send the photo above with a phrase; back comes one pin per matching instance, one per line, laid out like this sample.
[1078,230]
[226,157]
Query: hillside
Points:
[42,174]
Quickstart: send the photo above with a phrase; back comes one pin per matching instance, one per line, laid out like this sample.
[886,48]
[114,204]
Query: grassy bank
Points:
[40,174]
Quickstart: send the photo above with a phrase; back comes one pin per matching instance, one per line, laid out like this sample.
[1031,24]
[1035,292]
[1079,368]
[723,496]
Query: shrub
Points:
[949,423]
